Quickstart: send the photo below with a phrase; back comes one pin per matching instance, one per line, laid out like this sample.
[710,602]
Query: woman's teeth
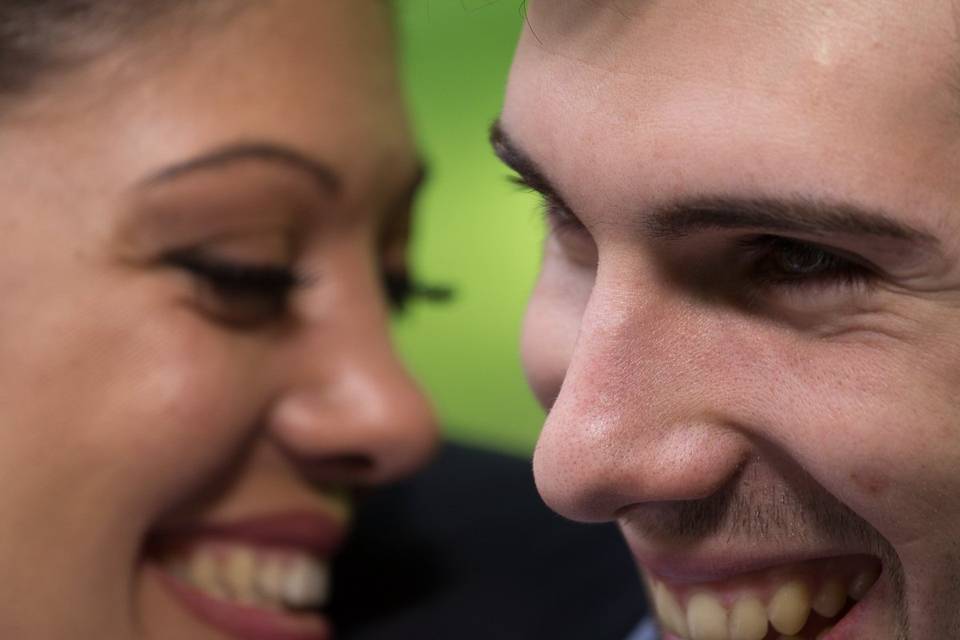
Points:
[708,614]
[254,576]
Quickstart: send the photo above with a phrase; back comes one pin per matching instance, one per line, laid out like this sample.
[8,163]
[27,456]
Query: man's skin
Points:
[747,324]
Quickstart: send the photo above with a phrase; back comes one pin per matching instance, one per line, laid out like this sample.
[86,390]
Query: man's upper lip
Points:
[698,567]
[313,531]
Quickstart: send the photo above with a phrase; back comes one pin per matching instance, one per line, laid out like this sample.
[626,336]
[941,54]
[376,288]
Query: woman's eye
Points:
[398,288]
[781,261]
[239,294]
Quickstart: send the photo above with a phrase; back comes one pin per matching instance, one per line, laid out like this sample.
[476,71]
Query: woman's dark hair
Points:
[39,37]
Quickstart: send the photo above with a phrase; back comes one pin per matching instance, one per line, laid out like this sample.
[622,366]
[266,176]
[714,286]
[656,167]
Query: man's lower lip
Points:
[238,621]
[850,627]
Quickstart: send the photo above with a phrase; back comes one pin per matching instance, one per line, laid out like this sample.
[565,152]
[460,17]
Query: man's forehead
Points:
[635,36]
[840,100]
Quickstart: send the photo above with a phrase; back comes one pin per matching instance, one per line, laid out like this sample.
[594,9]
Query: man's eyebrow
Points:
[800,215]
[322,174]
[684,217]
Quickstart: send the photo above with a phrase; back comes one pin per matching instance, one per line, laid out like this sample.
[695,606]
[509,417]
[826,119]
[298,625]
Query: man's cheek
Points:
[873,444]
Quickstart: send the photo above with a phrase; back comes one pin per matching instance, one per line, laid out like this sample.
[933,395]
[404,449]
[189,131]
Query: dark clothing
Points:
[468,551]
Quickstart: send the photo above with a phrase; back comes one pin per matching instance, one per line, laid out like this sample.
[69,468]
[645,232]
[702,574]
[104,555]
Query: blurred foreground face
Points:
[196,234]
[747,325]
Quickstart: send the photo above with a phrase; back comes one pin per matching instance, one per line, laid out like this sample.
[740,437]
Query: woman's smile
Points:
[267,577]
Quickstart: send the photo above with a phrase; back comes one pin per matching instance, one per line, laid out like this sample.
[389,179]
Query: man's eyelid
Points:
[836,249]
[562,215]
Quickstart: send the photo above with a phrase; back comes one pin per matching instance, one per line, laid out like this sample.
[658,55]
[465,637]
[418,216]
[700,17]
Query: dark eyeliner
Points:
[237,278]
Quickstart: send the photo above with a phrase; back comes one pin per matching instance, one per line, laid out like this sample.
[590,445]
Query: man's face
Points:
[747,325]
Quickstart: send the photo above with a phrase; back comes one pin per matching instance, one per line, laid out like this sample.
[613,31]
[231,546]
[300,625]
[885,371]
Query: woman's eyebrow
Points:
[326,179]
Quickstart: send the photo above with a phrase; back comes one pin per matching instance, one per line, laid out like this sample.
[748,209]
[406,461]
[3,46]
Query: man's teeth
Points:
[790,607]
[272,579]
[704,616]
[830,599]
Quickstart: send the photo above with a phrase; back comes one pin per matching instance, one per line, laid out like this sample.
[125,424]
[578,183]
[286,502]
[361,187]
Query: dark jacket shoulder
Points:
[467,550]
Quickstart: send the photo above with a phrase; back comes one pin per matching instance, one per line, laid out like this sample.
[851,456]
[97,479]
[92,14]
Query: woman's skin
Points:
[168,390]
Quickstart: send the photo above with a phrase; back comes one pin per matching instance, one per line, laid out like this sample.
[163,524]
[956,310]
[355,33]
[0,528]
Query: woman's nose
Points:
[350,411]
[635,420]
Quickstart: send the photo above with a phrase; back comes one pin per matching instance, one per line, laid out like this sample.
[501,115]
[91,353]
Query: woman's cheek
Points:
[181,400]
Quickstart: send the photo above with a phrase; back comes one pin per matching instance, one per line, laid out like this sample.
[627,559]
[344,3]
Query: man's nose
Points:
[638,418]
[350,411]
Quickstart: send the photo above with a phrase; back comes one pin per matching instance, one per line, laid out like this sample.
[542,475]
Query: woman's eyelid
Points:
[231,280]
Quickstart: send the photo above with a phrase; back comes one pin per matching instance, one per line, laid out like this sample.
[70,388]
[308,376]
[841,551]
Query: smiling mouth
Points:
[267,579]
[804,601]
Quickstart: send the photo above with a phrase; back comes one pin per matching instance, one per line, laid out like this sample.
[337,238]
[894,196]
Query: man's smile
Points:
[797,600]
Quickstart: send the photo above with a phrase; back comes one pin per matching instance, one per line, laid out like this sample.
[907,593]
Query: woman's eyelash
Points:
[787,262]
[239,278]
[401,290]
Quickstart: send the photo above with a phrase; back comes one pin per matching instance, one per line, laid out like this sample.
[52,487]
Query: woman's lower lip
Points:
[243,622]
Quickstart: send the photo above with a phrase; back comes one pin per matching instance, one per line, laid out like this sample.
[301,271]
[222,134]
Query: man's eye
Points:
[560,218]
[557,215]
[239,294]
[778,261]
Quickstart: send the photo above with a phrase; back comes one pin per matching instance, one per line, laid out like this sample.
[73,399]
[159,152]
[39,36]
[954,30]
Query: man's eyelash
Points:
[786,262]
[560,219]
[553,209]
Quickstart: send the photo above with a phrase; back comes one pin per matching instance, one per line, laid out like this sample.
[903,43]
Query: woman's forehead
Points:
[322,80]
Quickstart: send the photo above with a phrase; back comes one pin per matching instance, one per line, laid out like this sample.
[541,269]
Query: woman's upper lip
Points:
[313,531]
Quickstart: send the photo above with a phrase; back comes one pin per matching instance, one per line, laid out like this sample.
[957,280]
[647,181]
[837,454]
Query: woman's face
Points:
[194,333]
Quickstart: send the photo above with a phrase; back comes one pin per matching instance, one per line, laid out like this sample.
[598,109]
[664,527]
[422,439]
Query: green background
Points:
[475,231]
